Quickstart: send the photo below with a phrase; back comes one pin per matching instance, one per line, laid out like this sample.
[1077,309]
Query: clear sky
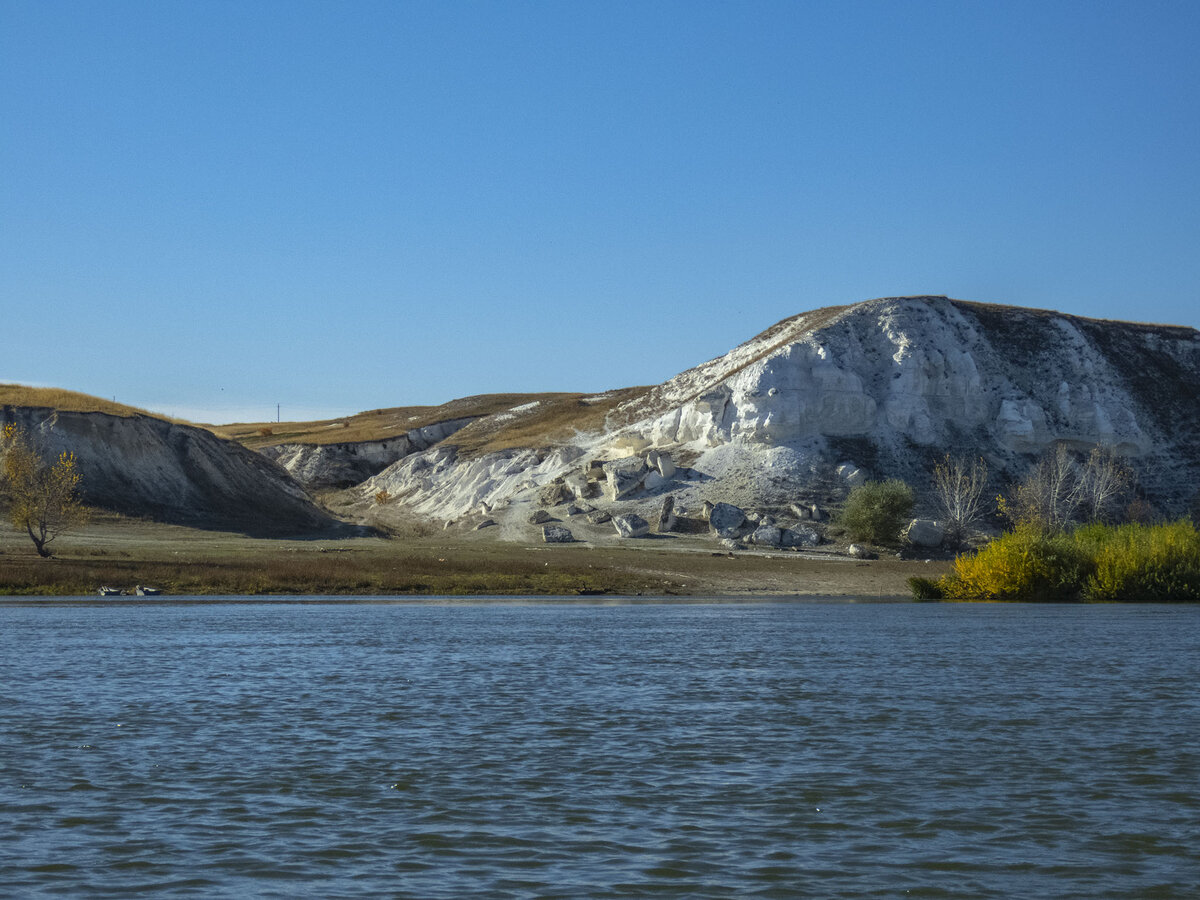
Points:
[208,208]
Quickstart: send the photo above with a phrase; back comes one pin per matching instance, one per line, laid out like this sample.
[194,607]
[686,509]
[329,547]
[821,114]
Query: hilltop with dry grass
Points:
[66,401]
[372,425]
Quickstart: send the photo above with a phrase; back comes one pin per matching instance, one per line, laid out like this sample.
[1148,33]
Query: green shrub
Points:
[877,510]
[925,588]
[1129,563]
[1159,563]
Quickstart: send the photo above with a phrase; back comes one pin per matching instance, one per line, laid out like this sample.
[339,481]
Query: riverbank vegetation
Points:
[877,510]
[1093,563]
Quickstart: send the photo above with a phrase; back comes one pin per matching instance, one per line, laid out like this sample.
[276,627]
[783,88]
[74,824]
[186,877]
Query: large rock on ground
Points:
[624,476]
[557,534]
[666,515]
[726,519]
[799,536]
[554,494]
[631,525]
[767,536]
[924,533]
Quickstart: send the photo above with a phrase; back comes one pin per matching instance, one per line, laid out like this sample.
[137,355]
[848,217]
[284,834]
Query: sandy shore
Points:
[183,561]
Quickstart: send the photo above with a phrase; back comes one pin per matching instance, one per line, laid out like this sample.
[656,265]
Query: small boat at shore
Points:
[110,592]
[143,591]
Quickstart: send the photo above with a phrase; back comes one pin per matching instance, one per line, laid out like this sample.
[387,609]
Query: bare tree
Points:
[1061,489]
[1106,481]
[1050,495]
[958,486]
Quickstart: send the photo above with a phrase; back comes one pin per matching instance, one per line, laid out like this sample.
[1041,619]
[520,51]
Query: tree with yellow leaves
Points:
[42,497]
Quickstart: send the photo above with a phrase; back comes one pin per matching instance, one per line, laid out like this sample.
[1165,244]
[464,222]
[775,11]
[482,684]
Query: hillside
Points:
[339,453]
[795,415]
[884,387]
[146,466]
[372,425]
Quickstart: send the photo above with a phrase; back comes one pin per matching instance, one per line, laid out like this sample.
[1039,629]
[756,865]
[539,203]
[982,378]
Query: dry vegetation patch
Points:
[371,425]
[555,419]
[67,401]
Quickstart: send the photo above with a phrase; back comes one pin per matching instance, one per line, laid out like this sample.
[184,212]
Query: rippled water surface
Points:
[775,750]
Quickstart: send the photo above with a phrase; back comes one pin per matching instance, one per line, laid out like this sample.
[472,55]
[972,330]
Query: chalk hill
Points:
[142,465]
[886,386]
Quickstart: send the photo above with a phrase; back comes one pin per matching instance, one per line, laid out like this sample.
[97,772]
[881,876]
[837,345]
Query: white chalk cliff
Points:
[890,385]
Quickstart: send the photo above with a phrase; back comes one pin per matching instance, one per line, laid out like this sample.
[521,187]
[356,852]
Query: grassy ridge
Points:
[67,401]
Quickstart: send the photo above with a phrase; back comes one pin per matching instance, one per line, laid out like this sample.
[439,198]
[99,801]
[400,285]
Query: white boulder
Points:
[631,525]
[624,476]
[924,533]
[799,537]
[767,536]
[726,519]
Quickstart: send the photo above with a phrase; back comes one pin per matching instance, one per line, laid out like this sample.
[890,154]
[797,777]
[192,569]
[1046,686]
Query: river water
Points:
[431,750]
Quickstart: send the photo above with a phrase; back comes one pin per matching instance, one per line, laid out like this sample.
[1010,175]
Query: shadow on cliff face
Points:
[146,467]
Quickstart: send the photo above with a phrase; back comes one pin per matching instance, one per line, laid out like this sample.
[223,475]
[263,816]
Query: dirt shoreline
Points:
[192,565]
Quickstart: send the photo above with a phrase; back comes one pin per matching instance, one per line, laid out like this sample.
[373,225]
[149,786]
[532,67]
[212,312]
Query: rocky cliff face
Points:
[341,465]
[144,466]
[888,385]
[933,372]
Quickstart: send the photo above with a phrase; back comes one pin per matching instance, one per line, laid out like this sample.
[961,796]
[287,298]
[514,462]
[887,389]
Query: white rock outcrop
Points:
[890,384]
[340,465]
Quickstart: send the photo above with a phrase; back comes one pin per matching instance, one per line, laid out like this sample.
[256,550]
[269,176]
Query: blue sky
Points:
[209,208]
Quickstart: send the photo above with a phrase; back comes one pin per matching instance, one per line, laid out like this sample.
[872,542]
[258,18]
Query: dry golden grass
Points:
[556,418]
[1031,312]
[66,401]
[371,425]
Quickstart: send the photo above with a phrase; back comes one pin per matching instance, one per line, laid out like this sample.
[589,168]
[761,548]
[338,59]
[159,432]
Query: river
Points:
[429,750]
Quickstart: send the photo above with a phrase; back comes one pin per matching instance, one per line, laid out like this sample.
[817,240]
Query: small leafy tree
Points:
[877,510]
[42,497]
[958,490]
